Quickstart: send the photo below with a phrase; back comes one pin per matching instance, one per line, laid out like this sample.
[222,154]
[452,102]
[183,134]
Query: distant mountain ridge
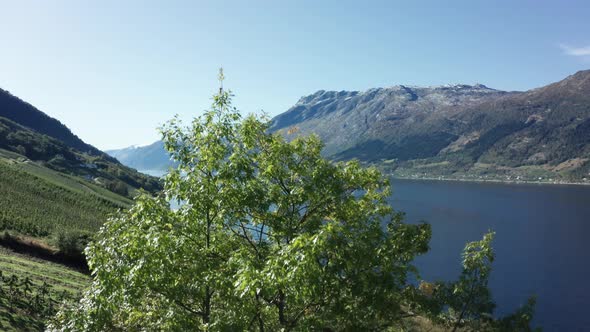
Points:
[154,156]
[453,131]
[149,157]
[456,131]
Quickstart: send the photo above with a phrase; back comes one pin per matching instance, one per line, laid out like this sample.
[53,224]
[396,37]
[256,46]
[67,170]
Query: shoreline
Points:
[396,177]
[490,181]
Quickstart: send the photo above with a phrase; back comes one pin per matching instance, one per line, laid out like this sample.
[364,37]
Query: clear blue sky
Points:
[113,71]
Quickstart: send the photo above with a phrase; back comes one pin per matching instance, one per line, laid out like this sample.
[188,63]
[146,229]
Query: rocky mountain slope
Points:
[400,122]
[455,131]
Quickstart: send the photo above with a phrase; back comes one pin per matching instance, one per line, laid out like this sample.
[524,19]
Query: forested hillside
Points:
[50,152]
[39,202]
[19,111]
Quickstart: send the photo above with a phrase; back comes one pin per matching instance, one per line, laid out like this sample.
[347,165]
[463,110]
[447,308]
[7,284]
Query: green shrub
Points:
[73,243]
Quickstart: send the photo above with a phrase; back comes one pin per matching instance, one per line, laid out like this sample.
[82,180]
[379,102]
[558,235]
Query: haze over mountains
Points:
[149,157]
[452,131]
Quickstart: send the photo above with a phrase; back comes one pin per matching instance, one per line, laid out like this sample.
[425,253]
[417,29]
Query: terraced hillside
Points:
[58,156]
[40,202]
[55,192]
[45,284]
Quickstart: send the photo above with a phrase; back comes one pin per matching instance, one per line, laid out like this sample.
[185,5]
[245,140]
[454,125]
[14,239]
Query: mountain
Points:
[56,191]
[384,122]
[36,137]
[25,114]
[150,157]
[457,131]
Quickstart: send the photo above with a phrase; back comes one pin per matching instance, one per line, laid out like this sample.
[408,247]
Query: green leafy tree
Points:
[321,247]
[270,236]
[470,297]
[467,302]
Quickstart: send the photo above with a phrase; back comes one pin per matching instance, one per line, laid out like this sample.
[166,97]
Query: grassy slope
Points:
[57,276]
[40,202]
[53,154]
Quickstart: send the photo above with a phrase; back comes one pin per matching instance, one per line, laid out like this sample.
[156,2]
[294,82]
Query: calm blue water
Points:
[542,242]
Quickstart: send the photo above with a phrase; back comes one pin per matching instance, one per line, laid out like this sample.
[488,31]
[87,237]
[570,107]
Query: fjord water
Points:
[542,241]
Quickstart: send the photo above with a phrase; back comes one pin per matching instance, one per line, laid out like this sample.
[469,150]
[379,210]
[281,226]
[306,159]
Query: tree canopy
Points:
[269,236]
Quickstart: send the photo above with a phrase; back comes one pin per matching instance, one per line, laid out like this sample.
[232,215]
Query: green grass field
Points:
[18,308]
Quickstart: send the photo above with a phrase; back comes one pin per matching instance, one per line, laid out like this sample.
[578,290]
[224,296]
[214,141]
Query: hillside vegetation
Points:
[54,154]
[55,192]
[31,290]
[39,202]
[19,111]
